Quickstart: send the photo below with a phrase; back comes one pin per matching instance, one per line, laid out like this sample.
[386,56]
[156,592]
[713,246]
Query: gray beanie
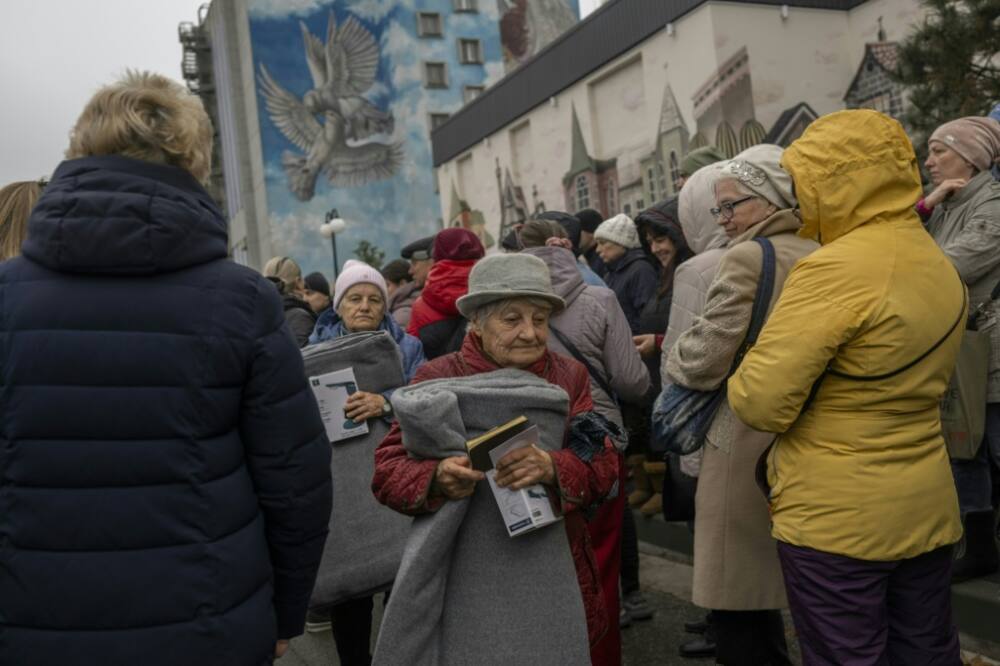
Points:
[501,277]
[758,168]
[619,229]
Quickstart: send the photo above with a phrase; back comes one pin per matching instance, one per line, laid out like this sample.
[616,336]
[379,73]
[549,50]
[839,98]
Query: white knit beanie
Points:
[357,272]
[619,229]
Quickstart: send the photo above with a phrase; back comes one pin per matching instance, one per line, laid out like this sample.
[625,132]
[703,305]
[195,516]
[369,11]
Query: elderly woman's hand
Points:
[645,344]
[455,479]
[362,406]
[944,190]
[525,467]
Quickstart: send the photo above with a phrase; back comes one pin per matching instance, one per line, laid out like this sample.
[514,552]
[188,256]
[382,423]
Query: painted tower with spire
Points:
[589,182]
[661,168]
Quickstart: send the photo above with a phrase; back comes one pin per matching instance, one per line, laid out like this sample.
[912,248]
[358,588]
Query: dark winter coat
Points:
[403,483]
[633,279]
[300,318]
[654,319]
[164,472]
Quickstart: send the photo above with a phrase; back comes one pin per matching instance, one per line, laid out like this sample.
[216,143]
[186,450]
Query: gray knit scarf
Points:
[466,593]
[366,539]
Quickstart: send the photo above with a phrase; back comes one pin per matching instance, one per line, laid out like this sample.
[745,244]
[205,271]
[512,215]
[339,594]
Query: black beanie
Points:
[590,219]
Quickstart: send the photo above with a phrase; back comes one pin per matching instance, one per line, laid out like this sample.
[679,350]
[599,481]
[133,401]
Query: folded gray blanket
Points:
[466,592]
[366,539]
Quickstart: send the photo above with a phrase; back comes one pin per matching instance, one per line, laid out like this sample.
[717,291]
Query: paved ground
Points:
[652,643]
[667,584]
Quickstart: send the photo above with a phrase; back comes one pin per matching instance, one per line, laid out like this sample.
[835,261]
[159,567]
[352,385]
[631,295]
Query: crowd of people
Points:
[165,471]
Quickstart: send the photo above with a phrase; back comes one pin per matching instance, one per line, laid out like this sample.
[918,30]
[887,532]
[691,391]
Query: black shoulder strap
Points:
[887,375]
[858,378]
[761,299]
[575,353]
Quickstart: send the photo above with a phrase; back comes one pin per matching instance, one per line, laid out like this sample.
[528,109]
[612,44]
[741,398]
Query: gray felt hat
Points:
[506,276]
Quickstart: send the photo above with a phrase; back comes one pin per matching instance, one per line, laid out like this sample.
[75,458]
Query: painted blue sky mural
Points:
[398,202]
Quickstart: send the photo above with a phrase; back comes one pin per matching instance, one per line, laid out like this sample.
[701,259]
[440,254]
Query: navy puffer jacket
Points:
[164,472]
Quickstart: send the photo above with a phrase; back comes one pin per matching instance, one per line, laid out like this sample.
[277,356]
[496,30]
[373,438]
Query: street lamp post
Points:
[329,229]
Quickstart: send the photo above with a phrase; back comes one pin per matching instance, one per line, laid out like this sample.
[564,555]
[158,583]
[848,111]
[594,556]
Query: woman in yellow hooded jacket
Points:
[862,499]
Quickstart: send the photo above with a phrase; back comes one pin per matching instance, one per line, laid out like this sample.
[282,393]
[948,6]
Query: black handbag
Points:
[682,416]
[678,491]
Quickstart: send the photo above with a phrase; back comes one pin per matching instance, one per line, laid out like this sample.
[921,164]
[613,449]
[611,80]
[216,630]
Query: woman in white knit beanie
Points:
[630,273]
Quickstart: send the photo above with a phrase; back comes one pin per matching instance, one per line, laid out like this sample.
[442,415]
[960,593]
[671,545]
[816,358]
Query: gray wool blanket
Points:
[366,539]
[466,592]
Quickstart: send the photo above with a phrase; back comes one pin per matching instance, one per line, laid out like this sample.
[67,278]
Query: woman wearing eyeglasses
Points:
[736,568]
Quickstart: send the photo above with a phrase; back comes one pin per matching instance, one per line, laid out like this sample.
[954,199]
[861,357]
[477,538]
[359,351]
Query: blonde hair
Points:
[148,117]
[283,270]
[16,202]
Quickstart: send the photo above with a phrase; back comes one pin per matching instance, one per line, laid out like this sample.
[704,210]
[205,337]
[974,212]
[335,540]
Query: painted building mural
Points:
[614,140]
[347,94]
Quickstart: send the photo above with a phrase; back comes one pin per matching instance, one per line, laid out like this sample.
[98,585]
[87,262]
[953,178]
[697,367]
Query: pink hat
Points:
[357,272]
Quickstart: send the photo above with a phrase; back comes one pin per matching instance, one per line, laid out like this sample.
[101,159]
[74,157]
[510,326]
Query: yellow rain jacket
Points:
[863,472]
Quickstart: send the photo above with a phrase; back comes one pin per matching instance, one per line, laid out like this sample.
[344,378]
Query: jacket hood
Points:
[113,215]
[779,222]
[446,283]
[852,168]
[564,271]
[694,207]
[293,302]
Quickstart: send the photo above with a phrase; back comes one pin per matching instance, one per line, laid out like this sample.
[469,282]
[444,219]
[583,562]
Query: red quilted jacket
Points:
[446,283]
[402,483]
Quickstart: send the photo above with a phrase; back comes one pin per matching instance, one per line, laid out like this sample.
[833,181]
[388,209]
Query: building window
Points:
[429,24]
[582,193]
[612,207]
[438,119]
[470,93]
[466,5]
[651,178]
[675,169]
[628,209]
[639,205]
[435,75]
[470,52]
[661,178]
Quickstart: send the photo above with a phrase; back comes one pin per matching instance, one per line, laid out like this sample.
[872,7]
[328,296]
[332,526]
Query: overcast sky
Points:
[55,53]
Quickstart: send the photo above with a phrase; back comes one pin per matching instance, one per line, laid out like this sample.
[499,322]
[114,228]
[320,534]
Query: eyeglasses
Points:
[728,209]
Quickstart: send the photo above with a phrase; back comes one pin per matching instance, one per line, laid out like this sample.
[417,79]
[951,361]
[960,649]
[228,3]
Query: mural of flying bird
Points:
[342,69]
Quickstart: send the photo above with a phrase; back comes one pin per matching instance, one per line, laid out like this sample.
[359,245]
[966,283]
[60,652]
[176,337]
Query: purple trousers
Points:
[850,612]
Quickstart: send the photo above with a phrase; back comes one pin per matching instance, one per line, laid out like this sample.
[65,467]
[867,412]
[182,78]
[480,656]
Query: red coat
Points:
[402,483]
[446,283]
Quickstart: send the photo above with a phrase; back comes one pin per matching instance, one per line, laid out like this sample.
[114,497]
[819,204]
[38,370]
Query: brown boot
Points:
[643,490]
[655,472]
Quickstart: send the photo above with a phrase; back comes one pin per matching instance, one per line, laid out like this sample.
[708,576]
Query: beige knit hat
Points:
[976,139]
[619,229]
[758,168]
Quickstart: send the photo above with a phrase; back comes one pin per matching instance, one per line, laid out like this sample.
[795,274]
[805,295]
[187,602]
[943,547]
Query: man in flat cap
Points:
[418,253]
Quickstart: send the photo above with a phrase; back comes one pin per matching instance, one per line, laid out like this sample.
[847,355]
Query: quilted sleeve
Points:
[288,456]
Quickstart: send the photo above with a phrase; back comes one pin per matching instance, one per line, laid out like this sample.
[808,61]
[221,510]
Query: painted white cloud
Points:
[377,10]
[494,72]
[271,9]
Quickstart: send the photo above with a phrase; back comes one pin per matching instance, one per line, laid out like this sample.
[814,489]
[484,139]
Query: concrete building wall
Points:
[808,55]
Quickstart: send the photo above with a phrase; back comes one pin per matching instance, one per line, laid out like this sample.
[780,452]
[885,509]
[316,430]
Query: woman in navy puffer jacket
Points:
[164,472]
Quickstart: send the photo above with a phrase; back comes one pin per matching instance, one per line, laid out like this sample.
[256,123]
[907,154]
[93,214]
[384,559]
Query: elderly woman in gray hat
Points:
[736,569]
[508,305]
